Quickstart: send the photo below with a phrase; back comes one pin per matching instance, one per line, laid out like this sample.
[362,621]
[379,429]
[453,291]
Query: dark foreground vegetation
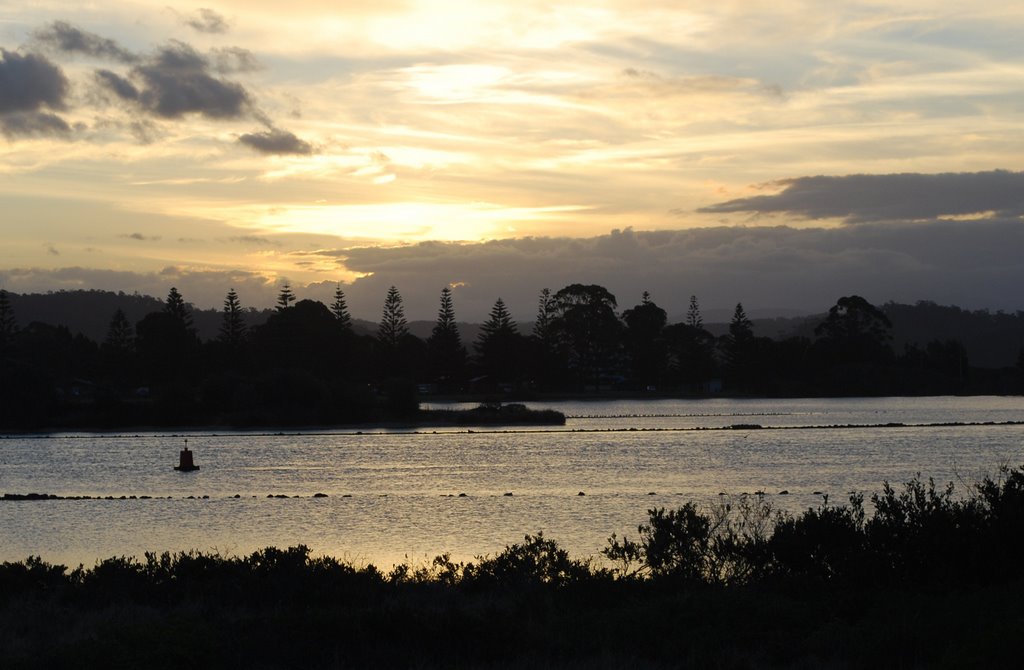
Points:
[929,579]
[308,364]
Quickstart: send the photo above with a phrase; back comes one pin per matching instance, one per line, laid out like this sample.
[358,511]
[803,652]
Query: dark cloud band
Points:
[891,197]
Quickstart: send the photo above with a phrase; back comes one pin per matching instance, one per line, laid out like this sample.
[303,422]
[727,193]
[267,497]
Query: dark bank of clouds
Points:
[170,83]
[31,89]
[890,197]
[972,264]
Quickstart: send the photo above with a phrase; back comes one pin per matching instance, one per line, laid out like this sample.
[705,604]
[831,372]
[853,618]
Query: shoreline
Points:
[389,428]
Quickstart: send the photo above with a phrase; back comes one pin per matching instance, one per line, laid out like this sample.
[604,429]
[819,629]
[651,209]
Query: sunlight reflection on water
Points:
[404,487]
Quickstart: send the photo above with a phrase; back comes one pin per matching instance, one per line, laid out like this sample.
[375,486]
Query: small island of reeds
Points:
[491,414]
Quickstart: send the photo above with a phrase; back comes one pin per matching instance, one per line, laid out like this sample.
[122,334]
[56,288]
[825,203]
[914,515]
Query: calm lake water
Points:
[394,495]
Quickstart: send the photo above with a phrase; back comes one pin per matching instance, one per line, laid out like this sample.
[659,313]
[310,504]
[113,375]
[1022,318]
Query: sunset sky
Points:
[779,154]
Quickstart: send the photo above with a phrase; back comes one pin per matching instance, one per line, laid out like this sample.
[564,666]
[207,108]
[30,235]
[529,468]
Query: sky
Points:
[780,154]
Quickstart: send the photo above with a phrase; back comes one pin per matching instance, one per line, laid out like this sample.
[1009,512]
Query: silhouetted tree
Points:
[305,336]
[447,356]
[233,328]
[499,345]
[739,346]
[498,321]
[393,326]
[852,348]
[120,335]
[164,346]
[544,366]
[8,324]
[587,329]
[118,349]
[646,346]
[176,307]
[693,317]
[340,309]
[285,297]
[855,331]
[691,354]
[546,312]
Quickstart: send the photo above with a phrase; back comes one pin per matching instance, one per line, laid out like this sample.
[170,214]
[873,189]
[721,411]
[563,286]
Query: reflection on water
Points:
[397,494]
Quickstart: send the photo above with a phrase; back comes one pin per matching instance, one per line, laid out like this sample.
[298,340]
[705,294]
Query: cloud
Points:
[120,86]
[207,21]
[768,269]
[762,267]
[254,239]
[140,237]
[33,123]
[890,197]
[29,84]
[176,81]
[62,36]
[276,141]
[234,59]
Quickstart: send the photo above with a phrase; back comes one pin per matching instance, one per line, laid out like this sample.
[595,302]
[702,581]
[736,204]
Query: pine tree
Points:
[176,307]
[340,309]
[499,321]
[120,335]
[8,325]
[693,317]
[499,343]
[232,329]
[285,297]
[546,310]
[740,349]
[446,325]
[741,329]
[393,326]
[447,355]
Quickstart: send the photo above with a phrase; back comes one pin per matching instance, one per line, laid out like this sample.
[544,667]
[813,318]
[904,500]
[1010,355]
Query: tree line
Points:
[308,364]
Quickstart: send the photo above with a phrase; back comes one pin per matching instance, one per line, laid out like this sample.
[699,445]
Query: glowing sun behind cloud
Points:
[394,222]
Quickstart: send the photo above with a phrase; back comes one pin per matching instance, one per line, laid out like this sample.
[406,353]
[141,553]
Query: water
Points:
[394,496]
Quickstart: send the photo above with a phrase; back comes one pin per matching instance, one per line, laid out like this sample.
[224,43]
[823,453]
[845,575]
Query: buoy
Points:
[185,463]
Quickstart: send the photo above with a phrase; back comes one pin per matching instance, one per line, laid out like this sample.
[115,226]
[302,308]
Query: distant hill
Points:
[992,340]
[89,312]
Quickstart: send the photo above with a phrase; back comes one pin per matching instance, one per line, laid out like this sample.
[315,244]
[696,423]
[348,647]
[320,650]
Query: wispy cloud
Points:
[394,122]
[140,237]
[207,21]
[63,37]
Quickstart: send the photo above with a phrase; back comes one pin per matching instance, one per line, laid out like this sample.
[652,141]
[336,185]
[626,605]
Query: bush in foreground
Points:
[927,580]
